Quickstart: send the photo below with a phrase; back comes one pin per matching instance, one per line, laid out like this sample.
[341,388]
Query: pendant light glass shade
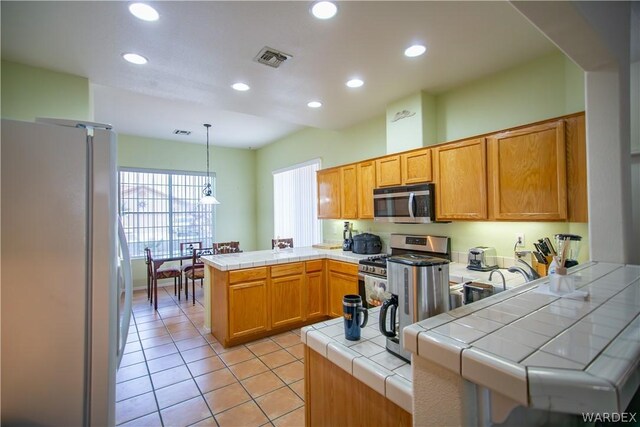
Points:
[207,192]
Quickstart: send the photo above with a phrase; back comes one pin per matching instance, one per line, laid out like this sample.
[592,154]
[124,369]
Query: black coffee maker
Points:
[347,244]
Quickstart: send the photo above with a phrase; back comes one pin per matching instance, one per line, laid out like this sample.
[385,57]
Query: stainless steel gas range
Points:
[372,271]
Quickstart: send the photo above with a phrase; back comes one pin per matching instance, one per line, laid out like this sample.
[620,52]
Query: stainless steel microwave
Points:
[407,204]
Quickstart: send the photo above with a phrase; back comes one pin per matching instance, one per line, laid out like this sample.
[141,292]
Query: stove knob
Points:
[383,271]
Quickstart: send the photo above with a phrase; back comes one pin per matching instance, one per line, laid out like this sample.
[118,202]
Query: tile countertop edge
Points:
[599,386]
[386,382]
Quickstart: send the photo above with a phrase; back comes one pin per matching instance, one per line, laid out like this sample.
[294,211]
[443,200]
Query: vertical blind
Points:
[295,210]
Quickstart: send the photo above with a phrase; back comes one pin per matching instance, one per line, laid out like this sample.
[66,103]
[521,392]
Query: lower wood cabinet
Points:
[252,303]
[342,280]
[315,290]
[247,308]
[287,294]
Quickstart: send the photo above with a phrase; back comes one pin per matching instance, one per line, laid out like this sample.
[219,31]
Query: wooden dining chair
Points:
[196,272]
[282,243]
[226,248]
[186,248]
[161,273]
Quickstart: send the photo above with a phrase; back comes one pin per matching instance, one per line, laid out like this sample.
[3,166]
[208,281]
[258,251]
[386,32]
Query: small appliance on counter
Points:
[419,287]
[366,244]
[568,248]
[482,258]
[348,238]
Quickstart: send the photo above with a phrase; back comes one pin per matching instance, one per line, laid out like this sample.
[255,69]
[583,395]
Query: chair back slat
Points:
[282,243]
[226,248]
[198,253]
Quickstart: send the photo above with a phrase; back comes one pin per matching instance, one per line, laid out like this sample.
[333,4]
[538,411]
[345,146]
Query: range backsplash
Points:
[465,235]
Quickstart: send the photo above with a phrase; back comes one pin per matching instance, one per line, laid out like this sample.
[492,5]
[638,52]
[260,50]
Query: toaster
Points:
[482,258]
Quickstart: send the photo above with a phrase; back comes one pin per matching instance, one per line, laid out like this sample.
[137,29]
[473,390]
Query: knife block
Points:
[542,269]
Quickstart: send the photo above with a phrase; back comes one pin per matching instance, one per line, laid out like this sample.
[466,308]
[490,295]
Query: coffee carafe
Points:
[347,244]
[419,287]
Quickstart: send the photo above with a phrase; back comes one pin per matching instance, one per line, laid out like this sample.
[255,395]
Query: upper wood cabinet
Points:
[577,210]
[329,193]
[348,192]
[388,171]
[460,176]
[366,184]
[527,172]
[416,166]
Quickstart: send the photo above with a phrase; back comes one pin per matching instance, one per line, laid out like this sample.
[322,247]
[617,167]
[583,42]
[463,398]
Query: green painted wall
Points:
[332,147]
[548,87]
[29,92]
[235,183]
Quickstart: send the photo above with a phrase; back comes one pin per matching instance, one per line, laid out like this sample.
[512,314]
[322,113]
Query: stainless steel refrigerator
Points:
[65,274]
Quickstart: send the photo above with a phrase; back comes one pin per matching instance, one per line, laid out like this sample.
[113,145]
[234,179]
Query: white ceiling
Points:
[196,50]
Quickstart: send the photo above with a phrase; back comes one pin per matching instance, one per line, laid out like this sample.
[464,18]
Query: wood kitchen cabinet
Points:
[247,302]
[252,303]
[329,193]
[527,173]
[287,294]
[388,171]
[349,192]
[416,167]
[315,290]
[342,280]
[576,141]
[366,182]
[460,176]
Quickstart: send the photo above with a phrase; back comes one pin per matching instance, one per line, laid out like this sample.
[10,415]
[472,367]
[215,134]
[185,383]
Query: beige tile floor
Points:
[175,374]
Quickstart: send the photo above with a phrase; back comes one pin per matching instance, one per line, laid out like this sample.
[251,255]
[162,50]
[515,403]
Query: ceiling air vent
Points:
[271,57]
[181,132]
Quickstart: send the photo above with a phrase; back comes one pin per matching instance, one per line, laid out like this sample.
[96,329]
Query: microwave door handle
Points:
[411,213]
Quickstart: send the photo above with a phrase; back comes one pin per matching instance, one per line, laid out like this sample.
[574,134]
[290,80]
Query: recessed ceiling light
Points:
[240,87]
[143,11]
[324,10]
[314,104]
[355,83]
[415,50]
[134,58]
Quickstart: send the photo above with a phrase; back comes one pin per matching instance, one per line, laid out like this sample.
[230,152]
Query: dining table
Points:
[157,263]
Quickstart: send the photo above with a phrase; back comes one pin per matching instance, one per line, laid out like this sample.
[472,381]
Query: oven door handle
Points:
[411,199]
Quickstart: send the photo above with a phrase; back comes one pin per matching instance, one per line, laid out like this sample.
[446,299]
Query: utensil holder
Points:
[561,283]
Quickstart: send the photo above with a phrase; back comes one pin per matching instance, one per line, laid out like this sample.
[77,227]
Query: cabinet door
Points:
[366,184]
[527,172]
[388,171]
[348,193]
[416,167]
[315,294]
[329,193]
[460,175]
[340,284]
[247,308]
[576,169]
[286,300]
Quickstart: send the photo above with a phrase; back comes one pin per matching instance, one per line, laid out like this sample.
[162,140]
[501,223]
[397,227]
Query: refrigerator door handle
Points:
[128,290]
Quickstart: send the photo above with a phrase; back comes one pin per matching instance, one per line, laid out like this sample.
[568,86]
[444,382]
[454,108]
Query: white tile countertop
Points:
[544,351]
[240,260]
[457,271]
[366,359]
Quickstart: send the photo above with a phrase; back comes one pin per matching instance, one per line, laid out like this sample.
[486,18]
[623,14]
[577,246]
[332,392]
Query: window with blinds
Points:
[161,209]
[295,209]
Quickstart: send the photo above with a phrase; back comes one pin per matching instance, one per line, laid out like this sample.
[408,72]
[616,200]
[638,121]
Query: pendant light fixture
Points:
[207,193]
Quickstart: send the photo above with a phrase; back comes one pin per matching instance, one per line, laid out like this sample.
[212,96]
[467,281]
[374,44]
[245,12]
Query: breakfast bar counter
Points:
[526,349]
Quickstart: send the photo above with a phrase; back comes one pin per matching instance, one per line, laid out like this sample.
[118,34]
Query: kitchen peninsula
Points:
[251,295]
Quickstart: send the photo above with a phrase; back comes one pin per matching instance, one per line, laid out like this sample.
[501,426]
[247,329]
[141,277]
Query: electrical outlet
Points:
[520,240]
